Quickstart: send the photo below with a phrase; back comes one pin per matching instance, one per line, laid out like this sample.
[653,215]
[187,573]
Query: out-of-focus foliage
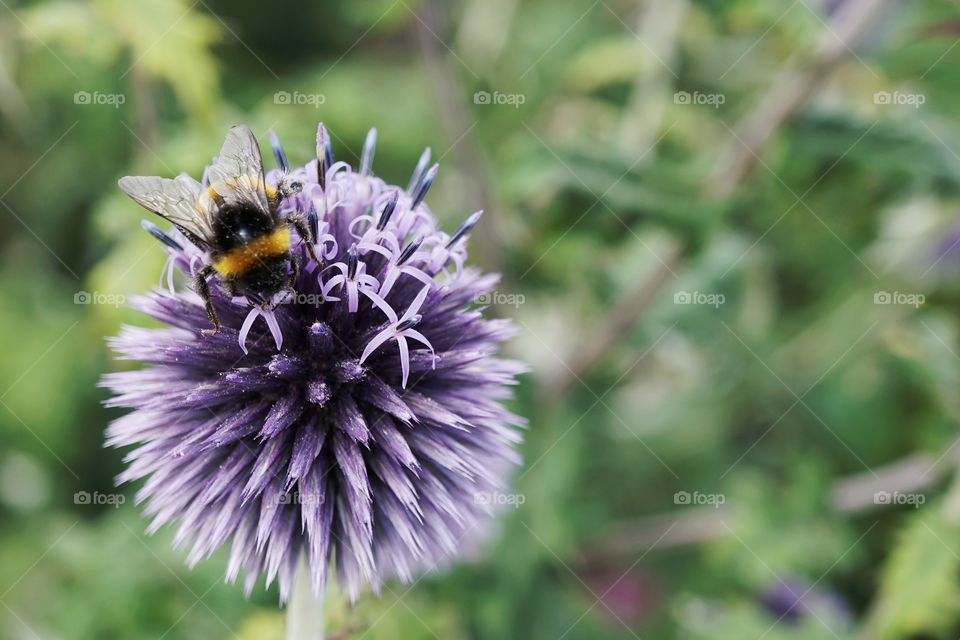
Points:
[780,410]
[919,591]
[160,39]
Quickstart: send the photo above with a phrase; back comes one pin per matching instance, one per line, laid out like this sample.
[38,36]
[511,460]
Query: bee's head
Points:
[288,187]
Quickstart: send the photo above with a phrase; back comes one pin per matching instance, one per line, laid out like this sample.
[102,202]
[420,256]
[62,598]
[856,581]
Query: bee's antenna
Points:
[369,146]
[278,152]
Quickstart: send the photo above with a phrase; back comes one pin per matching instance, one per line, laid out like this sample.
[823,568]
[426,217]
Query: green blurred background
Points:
[728,234]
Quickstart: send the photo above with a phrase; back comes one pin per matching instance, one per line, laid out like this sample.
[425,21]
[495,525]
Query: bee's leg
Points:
[295,266]
[300,223]
[203,290]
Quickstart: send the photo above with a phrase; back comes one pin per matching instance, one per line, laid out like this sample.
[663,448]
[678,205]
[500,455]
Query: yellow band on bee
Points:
[243,259]
[214,195]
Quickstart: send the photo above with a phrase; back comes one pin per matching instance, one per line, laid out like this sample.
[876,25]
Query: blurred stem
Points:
[851,495]
[484,31]
[951,504]
[795,85]
[657,28]
[608,335]
[304,610]
[458,127]
[145,113]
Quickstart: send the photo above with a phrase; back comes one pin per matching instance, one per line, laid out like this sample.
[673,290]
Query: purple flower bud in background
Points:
[357,425]
[625,594]
[793,599]
[946,251]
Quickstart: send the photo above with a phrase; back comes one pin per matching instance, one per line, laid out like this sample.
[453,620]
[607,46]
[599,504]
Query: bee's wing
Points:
[177,201]
[238,170]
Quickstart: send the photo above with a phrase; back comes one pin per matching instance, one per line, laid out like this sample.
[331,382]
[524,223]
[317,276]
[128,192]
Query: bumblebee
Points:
[234,218]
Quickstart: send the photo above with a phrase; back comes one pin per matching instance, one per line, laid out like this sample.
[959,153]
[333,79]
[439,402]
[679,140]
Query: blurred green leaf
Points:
[919,590]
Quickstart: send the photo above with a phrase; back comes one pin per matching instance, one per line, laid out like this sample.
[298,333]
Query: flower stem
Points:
[304,610]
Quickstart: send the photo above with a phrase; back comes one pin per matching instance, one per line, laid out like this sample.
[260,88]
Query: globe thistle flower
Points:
[355,420]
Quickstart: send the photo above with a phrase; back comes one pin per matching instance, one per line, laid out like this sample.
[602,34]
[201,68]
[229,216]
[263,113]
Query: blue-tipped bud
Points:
[321,336]
[160,235]
[425,186]
[353,259]
[409,250]
[388,211]
[465,228]
[418,171]
[369,147]
[324,155]
[328,154]
[278,151]
[410,322]
[313,222]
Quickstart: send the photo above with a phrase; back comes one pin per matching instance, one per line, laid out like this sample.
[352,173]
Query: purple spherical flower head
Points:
[355,421]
